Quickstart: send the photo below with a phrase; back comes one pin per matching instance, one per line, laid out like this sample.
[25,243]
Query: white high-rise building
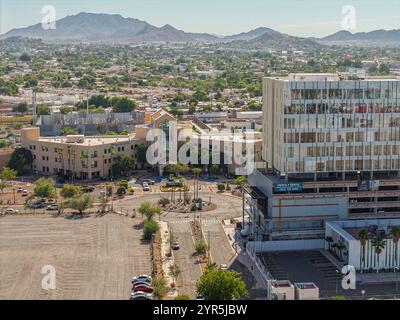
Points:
[323,123]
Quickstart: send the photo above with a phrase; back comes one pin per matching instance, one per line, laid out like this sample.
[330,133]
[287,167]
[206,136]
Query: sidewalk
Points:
[242,256]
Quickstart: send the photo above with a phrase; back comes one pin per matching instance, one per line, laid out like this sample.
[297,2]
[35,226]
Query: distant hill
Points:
[376,36]
[113,28]
[281,40]
[84,26]
[107,28]
[250,35]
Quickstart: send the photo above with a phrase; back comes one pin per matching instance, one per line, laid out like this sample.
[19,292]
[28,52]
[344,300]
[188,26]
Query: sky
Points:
[314,18]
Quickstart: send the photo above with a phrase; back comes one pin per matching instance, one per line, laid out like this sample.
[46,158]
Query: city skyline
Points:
[305,18]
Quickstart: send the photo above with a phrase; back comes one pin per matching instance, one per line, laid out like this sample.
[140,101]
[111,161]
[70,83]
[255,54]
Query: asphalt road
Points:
[191,272]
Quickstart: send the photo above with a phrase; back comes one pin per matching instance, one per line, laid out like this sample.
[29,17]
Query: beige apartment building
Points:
[76,155]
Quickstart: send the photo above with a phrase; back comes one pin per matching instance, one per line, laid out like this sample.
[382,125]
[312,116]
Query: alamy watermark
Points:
[49,279]
[204,148]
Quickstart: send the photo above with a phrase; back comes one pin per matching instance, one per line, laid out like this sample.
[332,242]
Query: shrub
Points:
[150,227]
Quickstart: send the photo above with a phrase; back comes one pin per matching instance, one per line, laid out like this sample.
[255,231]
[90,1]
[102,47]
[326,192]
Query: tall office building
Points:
[332,147]
[323,124]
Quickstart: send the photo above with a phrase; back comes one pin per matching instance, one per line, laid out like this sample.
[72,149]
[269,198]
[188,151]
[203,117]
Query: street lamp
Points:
[363,294]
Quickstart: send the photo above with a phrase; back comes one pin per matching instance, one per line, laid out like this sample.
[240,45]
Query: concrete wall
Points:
[287,245]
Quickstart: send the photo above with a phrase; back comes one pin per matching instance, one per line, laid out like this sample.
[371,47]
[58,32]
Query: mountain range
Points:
[113,28]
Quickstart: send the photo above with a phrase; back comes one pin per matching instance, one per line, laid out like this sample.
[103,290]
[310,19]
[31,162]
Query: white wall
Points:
[287,245]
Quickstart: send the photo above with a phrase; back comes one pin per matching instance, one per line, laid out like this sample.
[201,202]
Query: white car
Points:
[223,267]
[140,295]
[11,211]
[20,189]
[24,193]
[52,207]
[142,278]
[146,188]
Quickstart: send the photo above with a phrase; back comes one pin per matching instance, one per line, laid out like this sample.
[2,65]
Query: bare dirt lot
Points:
[94,257]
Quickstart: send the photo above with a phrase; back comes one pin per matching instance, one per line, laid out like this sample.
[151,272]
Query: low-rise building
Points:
[78,156]
[280,290]
[306,291]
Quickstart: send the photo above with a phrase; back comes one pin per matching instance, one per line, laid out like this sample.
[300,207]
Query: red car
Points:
[143,288]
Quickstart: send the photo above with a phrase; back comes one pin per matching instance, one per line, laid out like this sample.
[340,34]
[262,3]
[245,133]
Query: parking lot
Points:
[94,257]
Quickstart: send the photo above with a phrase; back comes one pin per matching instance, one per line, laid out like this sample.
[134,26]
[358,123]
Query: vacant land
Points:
[94,257]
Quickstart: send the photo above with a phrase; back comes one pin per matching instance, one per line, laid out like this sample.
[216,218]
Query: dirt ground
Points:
[94,257]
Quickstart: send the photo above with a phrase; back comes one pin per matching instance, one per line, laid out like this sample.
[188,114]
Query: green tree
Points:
[43,110]
[123,104]
[379,245]
[174,271]
[182,297]
[6,175]
[20,161]
[240,181]
[201,247]
[25,57]
[396,237]
[81,203]
[150,227]
[160,287]
[217,284]
[124,164]
[44,188]
[149,209]
[363,238]
[69,191]
[21,108]
[215,169]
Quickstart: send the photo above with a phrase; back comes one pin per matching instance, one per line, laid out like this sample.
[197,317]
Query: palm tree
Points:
[363,237]
[196,172]
[396,238]
[379,244]
[340,246]
[329,240]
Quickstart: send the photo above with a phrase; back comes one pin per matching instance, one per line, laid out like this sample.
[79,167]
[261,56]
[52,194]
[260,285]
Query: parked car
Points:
[146,188]
[149,182]
[141,296]
[24,193]
[143,288]
[175,245]
[11,211]
[141,293]
[223,267]
[87,189]
[20,189]
[52,207]
[142,277]
[199,297]
[39,205]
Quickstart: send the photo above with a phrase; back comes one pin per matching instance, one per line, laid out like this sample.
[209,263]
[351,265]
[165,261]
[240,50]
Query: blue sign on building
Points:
[288,187]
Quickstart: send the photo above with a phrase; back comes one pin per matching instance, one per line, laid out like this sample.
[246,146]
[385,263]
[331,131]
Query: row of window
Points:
[348,151]
[333,108]
[338,137]
[338,122]
[325,93]
[342,165]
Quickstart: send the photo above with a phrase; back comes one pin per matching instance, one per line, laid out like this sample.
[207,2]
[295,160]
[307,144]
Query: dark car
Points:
[143,288]
[39,205]
[87,189]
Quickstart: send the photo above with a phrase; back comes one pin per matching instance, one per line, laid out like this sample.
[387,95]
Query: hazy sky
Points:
[225,17]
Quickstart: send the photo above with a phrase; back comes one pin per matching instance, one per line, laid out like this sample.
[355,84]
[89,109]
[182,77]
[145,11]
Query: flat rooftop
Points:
[88,141]
[311,77]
